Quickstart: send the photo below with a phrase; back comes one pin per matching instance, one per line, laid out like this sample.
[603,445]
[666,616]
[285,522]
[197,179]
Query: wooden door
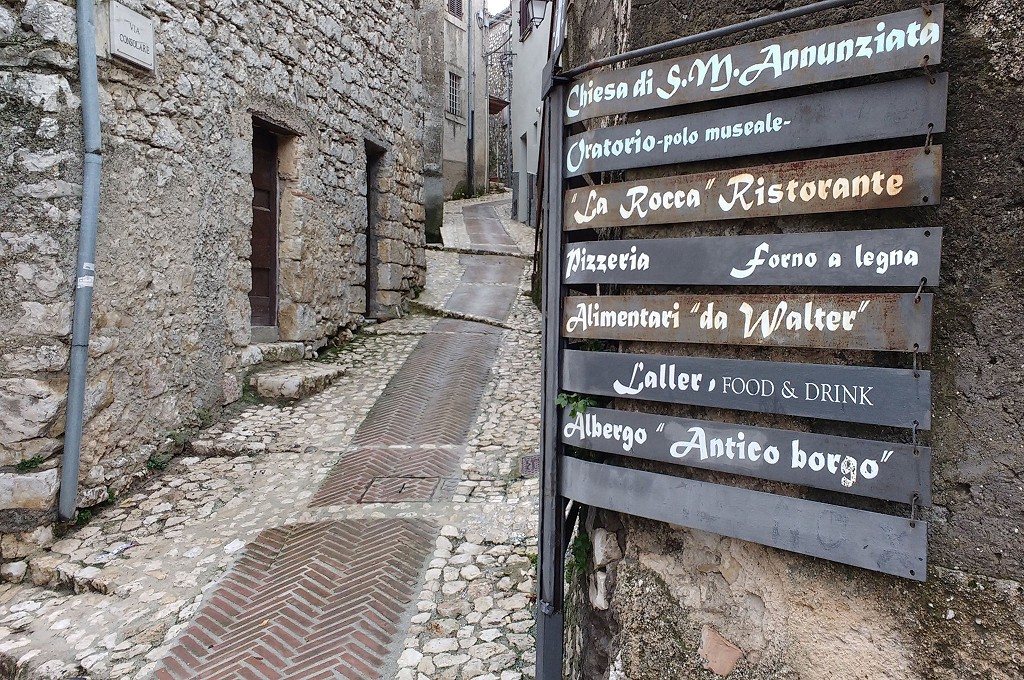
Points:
[263,295]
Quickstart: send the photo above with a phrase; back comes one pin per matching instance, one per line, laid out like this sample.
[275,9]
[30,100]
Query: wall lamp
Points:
[536,9]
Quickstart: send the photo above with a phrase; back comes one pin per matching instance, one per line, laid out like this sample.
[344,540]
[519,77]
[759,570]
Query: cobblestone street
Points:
[380,528]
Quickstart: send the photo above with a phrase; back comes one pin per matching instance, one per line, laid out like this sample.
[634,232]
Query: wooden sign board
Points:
[875,258]
[885,179]
[859,48]
[892,545]
[894,472]
[894,321]
[900,108]
[856,394]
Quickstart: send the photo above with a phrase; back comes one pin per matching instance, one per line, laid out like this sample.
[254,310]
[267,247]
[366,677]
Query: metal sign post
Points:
[550,619]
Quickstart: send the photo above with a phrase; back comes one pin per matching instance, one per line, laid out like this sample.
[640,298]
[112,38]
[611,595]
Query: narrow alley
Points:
[381,528]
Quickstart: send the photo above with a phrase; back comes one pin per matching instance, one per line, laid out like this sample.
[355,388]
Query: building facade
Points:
[499,88]
[262,187]
[530,49]
[464,98]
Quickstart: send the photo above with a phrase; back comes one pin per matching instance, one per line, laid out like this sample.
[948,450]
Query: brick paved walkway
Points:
[326,599]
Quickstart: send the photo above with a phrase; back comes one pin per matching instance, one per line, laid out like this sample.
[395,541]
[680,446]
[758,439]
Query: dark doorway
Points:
[374,154]
[263,295]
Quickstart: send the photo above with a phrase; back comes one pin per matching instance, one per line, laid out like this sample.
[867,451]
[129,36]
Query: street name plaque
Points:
[891,42]
[899,108]
[884,179]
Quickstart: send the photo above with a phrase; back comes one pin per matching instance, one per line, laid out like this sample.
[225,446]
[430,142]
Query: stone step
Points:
[295,380]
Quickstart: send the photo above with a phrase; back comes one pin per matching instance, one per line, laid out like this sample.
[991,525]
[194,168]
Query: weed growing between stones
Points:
[29,464]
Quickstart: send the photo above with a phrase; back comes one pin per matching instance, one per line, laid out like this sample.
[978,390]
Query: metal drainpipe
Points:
[471,68]
[85,270]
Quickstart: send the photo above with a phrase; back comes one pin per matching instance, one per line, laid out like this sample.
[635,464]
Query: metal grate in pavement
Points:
[306,602]
[435,395]
[350,481]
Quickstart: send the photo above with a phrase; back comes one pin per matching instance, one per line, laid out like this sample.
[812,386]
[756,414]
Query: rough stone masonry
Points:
[171,336]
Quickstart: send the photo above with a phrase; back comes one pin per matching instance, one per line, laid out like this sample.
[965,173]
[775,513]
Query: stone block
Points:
[26,450]
[606,548]
[43,569]
[48,321]
[30,409]
[29,491]
[390,276]
[295,381]
[7,23]
[51,21]
[297,321]
[281,352]
[599,590]
[48,358]
[720,656]
[357,300]
[14,572]
[232,387]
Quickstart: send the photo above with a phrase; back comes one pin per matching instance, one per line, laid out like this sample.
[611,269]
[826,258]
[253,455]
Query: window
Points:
[455,8]
[454,94]
[525,26]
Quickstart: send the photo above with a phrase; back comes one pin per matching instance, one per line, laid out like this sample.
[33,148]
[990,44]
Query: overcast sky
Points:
[495,6]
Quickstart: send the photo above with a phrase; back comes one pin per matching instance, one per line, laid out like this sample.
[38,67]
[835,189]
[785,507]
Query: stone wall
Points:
[171,336]
[684,603]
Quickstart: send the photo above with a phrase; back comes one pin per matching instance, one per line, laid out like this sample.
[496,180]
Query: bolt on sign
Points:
[874,469]
[824,288]
[855,394]
[893,42]
[888,321]
[886,179]
[875,258]
[871,540]
[899,108]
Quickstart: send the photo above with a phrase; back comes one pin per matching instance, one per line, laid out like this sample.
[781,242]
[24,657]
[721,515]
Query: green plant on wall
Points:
[577,403]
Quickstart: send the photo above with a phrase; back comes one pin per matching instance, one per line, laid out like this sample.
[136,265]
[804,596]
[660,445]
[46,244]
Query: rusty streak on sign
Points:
[885,179]
[856,394]
[874,258]
[901,108]
[893,545]
[893,472]
[891,321]
[877,45]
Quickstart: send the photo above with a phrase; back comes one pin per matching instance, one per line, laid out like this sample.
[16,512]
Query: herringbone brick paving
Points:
[434,397]
[306,601]
[324,600]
